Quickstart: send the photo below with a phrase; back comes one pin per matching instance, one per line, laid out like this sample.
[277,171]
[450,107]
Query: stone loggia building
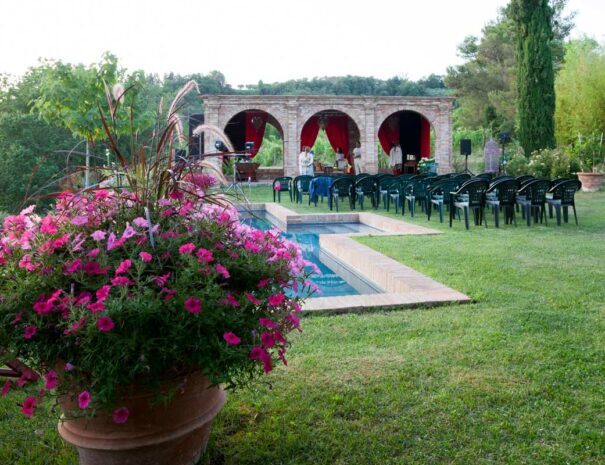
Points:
[366,115]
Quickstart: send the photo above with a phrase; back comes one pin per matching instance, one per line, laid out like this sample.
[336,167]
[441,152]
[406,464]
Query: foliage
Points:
[117,286]
[535,73]
[580,89]
[552,164]
[426,165]
[486,83]
[517,164]
[589,152]
[272,148]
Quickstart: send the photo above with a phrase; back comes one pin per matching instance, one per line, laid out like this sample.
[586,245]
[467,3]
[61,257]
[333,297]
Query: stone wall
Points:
[367,112]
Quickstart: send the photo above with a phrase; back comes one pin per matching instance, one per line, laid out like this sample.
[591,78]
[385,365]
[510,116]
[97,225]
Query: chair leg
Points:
[412,207]
[550,210]
[526,212]
[336,202]
[573,205]
[497,215]
[545,216]
[451,214]
[566,214]
[441,212]
[466,217]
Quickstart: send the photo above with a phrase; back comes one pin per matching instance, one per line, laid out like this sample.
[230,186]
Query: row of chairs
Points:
[453,192]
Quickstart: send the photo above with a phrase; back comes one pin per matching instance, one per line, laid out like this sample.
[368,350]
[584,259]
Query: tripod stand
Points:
[466,170]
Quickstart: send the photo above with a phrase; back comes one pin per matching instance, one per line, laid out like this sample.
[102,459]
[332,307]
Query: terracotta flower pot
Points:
[175,434]
[591,182]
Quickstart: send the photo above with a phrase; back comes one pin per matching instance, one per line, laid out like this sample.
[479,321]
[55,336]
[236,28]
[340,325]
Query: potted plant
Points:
[136,305]
[590,152]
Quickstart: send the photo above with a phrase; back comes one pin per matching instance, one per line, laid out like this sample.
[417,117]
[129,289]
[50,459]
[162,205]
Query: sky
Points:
[248,41]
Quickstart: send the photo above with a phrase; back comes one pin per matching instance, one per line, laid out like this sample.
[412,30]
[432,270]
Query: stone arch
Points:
[355,114]
[276,114]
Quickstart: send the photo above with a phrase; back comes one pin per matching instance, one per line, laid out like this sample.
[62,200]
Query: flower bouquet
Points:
[136,304]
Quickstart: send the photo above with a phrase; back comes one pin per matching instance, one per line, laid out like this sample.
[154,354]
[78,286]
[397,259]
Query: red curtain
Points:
[309,133]
[389,133]
[256,121]
[425,138]
[337,130]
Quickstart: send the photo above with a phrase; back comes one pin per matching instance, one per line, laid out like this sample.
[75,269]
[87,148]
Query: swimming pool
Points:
[330,282]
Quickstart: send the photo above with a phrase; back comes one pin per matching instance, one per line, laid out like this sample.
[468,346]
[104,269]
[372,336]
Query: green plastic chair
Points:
[562,196]
[285,185]
[366,187]
[301,187]
[532,198]
[340,188]
[470,195]
[502,194]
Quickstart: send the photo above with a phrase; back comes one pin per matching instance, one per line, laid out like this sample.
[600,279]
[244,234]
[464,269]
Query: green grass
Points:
[516,378]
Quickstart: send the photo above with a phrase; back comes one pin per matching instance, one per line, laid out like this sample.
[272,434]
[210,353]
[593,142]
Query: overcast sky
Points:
[269,40]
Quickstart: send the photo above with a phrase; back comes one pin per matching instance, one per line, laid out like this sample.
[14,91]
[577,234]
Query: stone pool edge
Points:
[403,286]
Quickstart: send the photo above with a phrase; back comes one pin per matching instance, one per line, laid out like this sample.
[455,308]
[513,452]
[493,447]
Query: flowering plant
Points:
[119,286]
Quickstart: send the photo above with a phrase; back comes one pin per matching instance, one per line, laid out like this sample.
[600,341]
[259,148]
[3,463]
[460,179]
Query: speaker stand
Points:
[466,170]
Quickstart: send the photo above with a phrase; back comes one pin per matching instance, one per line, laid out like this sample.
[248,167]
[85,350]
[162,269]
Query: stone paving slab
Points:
[403,286]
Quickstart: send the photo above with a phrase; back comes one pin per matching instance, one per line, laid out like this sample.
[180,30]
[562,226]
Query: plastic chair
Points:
[416,191]
[367,186]
[471,195]
[532,197]
[285,185]
[341,187]
[439,195]
[502,194]
[384,185]
[562,196]
[301,186]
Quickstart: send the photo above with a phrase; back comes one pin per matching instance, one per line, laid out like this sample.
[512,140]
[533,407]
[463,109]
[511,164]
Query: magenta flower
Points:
[230,300]
[123,267]
[140,222]
[69,367]
[79,220]
[74,267]
[204,255]
[103,292]
[105,324]
[84,400]
[231,338]
[294,320]
[98,235]
[253,299]
[28,406]
[52,381]
[92,268]
[276,300]
[93,253]
[257,353]
[146,257]
[193,305]
[160,281]
[277,186]
[263,282]
[121,281]
[5,388]
[30,331]
[95,307]
[220,269]
[268,323]
[128,232]
[267,340]
[18,318]
[120,415]
[48,225]
[186,248]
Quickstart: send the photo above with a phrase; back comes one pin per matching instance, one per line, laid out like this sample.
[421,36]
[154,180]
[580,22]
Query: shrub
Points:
[552,163]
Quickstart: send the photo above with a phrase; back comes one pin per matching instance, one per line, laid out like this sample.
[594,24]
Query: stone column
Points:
[291,139]
[443,135]
[369,156]
[211,116]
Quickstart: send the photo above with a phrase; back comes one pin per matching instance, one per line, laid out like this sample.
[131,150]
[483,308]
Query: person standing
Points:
[357,158]
[341,163]
[303,161]
[395,158]
[310,163]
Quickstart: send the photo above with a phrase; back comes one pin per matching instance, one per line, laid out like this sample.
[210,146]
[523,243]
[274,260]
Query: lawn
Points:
[516,378]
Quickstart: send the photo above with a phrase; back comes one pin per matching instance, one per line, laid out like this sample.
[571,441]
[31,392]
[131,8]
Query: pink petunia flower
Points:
[84,400]
[204,255]
[230,300]
[160,281]
[220,269]
[105,324]
[186,248]
[103,292]
[268,323]
[263,282]
[93,253]
[267,340]
[140,222]
[98,235]
[30,331]
[276,300]
[193,305]
[121,281]
[95,307]
[28,406]
[253,299]
[231,338]
[120,415]
[52,381]
[5,388]
[69,367]
[146,257]
[18,318]
[128,232]
[74,267]
[92,268]
[123,267]
[79,220]
[49,225]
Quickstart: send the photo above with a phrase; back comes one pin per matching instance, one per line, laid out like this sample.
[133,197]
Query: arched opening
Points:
[414,134]
[325,132]
[263,130]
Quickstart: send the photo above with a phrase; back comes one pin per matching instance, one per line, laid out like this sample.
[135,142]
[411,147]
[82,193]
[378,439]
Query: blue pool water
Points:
[307,236]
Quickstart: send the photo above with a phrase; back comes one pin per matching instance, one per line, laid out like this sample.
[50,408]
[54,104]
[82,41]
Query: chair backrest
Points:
[367,185]
[462,177]
[405,176]
[487,176]
[524,179]
[386,182]
[535,190]
[302,183]
[505,189]
[342,186]
[500,178]
[444,187]
[285,183]
[419,186]
[565,191]
[361,176]
[554,182]
[475,189]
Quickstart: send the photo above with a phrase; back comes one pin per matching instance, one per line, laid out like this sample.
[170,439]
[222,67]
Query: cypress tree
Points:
[535,73]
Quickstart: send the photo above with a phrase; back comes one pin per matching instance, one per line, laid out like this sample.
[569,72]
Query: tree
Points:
[580,91]
[535,73]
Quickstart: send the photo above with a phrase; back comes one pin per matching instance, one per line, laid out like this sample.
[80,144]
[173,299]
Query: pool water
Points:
[306,236]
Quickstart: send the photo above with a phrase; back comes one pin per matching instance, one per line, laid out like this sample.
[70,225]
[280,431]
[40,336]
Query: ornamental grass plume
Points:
[140,284]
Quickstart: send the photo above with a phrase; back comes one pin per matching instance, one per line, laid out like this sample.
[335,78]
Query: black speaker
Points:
[465,147]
